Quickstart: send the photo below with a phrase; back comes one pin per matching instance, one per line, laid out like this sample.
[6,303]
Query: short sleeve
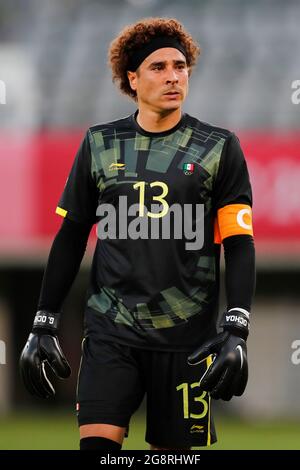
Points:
[79,199]
[232,185]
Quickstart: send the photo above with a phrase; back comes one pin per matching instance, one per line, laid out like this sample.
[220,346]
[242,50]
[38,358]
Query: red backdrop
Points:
[33,170]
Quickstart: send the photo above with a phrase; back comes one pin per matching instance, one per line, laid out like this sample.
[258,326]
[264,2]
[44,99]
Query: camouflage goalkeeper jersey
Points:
[162,203]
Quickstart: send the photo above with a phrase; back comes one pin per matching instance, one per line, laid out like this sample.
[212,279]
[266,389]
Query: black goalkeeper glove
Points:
[43,348]
[228,373]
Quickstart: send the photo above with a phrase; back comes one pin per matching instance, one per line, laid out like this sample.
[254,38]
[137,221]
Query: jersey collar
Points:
[142,131]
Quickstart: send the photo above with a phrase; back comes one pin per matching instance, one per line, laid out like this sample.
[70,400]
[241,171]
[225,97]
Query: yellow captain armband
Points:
[61,211]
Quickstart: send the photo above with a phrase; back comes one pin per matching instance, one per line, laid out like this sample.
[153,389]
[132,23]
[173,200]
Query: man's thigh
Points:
[109,385]
[178,412]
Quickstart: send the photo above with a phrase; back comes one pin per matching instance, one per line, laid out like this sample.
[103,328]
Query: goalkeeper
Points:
[152,303]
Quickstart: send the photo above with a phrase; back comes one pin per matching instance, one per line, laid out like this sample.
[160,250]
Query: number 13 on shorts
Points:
[202,399]
[187,400]
[196,412]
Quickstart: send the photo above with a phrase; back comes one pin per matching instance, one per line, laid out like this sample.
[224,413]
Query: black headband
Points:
[157,42]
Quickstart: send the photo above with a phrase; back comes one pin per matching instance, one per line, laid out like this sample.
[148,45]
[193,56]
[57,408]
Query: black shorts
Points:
[114,378]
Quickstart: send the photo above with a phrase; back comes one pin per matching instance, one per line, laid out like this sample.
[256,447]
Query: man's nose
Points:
[171,76]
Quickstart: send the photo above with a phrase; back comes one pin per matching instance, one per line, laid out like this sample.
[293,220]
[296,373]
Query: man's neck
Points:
[152,121]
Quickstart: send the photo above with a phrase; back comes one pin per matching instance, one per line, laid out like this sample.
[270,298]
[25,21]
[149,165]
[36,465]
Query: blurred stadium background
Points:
[53,67]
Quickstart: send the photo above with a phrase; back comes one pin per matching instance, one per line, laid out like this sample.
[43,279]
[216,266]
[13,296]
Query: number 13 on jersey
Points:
[160,198]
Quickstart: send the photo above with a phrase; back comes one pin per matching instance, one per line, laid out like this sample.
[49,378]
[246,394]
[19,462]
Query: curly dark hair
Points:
[133,36]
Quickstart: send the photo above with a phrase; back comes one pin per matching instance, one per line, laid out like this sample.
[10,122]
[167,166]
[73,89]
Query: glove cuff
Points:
[46,320]
[236,321]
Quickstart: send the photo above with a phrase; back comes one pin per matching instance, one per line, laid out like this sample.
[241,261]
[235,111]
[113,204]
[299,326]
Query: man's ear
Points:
[132,80]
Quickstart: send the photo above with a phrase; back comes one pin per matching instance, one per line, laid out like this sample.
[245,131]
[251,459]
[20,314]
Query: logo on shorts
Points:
[196,428]
[188,168]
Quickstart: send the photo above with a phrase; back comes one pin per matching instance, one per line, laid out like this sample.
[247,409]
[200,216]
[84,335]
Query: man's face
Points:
[161,81]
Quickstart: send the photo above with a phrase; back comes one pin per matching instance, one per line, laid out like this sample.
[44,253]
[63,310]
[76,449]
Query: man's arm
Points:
[228,374]
[239,255]
[77,205]
[42,345]
[63,264]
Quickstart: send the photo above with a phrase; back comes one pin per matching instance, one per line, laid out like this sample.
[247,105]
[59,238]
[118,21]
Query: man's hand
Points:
[228,373]
[42,348]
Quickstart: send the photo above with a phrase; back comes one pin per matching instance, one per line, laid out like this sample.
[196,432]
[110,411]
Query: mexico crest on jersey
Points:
[188,168]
